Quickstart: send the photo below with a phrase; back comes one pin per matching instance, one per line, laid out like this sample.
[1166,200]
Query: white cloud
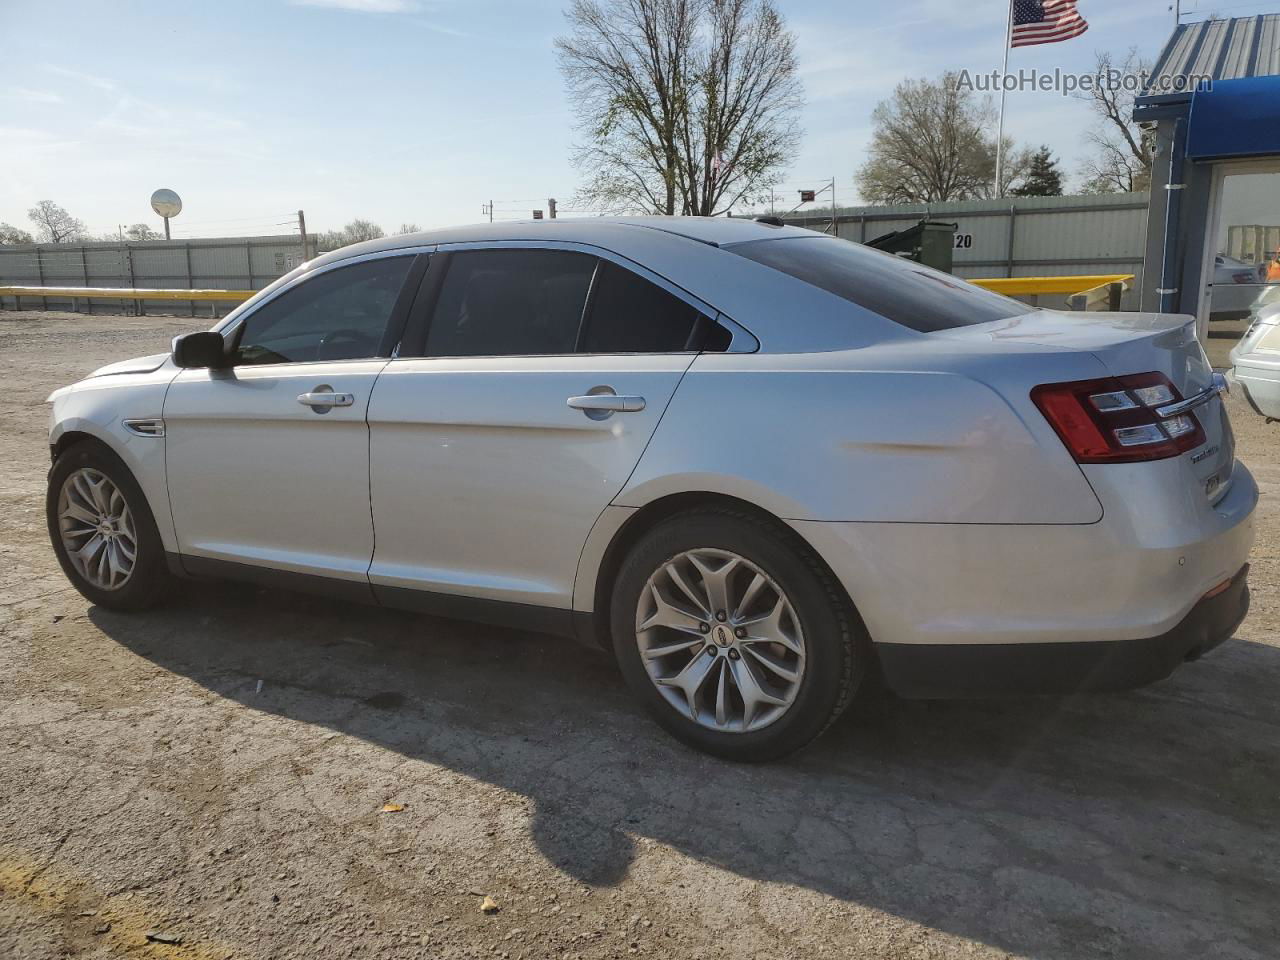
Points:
[362,6]
[27,95]
[102,83]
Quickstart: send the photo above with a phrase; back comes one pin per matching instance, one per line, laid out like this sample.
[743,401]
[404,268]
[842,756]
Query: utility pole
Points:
[302,231]
[551,207]
[487,208]
[835,219]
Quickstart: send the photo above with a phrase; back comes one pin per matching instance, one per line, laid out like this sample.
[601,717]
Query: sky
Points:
[421,111]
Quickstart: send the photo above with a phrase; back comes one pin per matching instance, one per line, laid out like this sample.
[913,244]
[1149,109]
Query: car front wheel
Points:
[734,635]
[102,529]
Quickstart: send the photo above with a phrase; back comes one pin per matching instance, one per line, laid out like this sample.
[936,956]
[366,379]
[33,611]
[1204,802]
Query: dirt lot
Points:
[214,771]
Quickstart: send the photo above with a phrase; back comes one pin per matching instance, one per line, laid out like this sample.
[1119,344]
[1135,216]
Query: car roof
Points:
[715,231]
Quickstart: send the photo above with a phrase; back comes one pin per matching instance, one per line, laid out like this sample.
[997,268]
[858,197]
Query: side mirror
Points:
[204,349]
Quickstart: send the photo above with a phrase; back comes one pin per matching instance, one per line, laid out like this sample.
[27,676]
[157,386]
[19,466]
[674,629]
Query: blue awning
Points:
[1237,118]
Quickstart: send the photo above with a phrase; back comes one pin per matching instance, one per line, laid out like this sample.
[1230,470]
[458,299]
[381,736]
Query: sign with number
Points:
[806,196]
[964,241]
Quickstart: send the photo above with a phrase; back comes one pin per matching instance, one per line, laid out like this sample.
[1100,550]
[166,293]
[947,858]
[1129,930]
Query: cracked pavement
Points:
[214,772]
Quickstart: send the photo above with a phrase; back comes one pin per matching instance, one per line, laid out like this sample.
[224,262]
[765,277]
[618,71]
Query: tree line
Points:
[53,224]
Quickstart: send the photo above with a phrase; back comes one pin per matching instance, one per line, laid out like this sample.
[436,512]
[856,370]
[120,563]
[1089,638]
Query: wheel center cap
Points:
[722,635]
[105,528]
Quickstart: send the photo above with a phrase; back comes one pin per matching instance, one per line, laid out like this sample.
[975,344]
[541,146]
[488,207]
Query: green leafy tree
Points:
[1042,179]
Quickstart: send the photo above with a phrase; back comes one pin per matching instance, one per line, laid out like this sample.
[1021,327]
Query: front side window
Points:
[631,315]
[510,302]
[908,293]
[341,314]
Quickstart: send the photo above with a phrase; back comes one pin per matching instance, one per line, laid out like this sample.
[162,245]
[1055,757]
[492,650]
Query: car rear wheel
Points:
[734,635]
[102,529]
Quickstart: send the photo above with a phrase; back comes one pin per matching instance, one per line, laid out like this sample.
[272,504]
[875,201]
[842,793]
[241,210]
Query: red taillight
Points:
[1114,419]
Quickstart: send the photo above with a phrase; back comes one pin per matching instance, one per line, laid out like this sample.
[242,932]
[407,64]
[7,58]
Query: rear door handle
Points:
[607,403]
[319,399]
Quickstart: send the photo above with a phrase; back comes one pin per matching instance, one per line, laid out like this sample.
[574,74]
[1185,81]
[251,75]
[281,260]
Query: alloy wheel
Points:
[720,640]
[97,529]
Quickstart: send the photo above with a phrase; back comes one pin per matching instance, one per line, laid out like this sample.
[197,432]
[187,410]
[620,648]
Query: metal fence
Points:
[1253,243]
[1013,237]
[241,263]
[1019,236]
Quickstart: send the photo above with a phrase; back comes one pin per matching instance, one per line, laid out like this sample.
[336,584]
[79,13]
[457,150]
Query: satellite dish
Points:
[166,203]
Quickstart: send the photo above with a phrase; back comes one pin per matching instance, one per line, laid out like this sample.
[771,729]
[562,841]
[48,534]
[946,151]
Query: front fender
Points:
[99,410]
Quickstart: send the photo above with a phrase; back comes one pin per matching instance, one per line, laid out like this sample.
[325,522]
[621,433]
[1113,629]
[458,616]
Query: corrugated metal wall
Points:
[1020,236]
[240,263]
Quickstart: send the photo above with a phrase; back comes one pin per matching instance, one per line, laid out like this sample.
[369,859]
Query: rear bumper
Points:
[941,671]
[1260,385]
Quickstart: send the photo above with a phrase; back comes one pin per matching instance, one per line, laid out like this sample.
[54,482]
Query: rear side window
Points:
[631,315]
[510,303]
[905,292]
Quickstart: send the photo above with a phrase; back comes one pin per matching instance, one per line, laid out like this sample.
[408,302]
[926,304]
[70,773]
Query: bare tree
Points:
[10,234]
[930,145]
[1123,151]
[685,106]
[354,232]
[140,231]
[54,224]
[408,228]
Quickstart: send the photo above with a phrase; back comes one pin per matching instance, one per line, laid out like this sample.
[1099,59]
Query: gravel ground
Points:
[215,772]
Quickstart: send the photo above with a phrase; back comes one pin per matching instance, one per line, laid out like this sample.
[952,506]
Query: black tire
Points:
[150,576]
[837,649]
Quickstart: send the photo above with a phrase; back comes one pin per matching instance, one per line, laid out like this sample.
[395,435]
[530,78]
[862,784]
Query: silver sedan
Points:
[755,463]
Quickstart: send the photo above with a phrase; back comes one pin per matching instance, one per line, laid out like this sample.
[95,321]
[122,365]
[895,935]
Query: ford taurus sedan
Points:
[756,463]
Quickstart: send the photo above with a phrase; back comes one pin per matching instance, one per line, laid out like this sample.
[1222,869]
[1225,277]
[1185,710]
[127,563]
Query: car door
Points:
[542,375]
[267,460]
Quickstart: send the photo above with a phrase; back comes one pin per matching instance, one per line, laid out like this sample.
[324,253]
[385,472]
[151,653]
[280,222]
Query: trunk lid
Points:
[1131,343]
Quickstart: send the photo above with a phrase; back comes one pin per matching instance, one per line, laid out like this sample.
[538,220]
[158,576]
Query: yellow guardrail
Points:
[126,293]
[1035,286]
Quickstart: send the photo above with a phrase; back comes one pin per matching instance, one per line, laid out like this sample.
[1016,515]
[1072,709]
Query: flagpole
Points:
[1008,42]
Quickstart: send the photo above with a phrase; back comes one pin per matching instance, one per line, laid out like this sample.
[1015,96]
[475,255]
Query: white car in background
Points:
[1255,360]
[754,462]
[1236,284]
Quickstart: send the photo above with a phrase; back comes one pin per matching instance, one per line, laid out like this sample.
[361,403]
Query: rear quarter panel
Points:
[859,436]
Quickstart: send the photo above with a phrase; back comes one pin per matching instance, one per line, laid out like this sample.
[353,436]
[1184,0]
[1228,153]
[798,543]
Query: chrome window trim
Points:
[229,329]
[741,339]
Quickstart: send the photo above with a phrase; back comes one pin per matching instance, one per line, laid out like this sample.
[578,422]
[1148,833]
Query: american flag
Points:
[1046,21]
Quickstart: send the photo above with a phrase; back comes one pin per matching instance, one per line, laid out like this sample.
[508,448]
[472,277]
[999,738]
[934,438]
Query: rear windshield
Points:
[901,290]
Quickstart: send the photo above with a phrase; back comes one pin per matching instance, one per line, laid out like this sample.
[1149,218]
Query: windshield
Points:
[900,290]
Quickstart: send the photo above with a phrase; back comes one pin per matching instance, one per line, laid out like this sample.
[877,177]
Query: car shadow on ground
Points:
[1138,824]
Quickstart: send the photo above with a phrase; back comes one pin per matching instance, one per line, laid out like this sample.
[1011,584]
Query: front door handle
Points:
[326,399]
[606,403]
